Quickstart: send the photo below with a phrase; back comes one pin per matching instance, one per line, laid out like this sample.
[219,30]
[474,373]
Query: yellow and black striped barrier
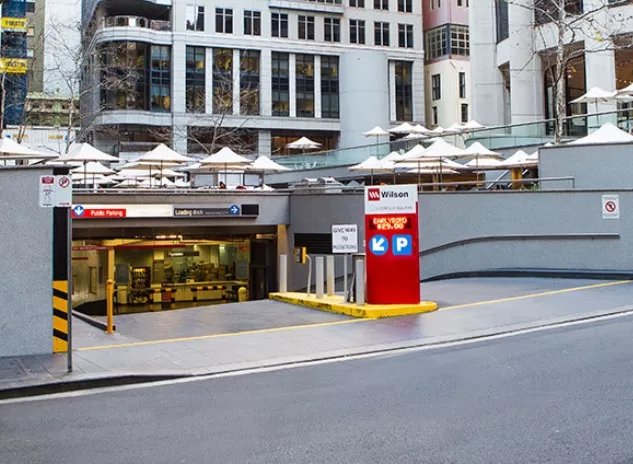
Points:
[195,290]
[60,316]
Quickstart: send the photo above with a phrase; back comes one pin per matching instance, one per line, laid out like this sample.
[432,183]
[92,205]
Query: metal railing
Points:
[500,181]
[534,133]
[136,21]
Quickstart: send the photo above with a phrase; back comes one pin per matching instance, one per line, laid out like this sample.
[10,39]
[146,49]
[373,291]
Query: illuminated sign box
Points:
[13,65]
[14,24]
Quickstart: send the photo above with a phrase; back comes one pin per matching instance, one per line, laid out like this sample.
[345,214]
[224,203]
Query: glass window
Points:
[381,33]
[436,86]
[332,29]
[279,24]
[462,85]
[405,6]
[404,91]
[381,4]
[222,81]
[195,18]
[280,84]
[405,35]
[195,79]
[502,21]
[435,116]
[224,20]
[436,43]
[306,27]
[464,112]
[460,40]
[357,31]
[357,3]
[160,78]
[249,82]
[252,23]
[329,87]
[305,85]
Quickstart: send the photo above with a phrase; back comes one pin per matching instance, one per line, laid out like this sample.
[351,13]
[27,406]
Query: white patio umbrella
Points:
[404,128]
[226,158]
[12,150]
[414,152]
[434,168]
[394,156]
[182,184]
[162,182]
[131,182]
[415,136]
[162,156]
[265,164]
[373,164]
[438,149]
[376,132]
[303,143]
[439,130]
[487,164]
[519,159]
[596,95]
[607,133]
[473,125]
[85,153]
[455,128]
[92,167]
[478,153]
[80,178]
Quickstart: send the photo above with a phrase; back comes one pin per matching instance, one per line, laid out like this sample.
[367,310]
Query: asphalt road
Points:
[563,396]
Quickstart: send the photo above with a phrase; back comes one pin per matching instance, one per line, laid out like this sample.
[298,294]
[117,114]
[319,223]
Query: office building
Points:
[252,75]
[513,52]
[447,65]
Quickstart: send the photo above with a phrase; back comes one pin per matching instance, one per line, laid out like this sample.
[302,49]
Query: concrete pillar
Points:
[418,85]
[319,277]
[486,95]
[208,81]
[317,86]
[264,142]
[329,273]
[600,72]
[391,67]
[236,82]
[292,78]
[526,75]
[265,83]
[283,273]
[178,77]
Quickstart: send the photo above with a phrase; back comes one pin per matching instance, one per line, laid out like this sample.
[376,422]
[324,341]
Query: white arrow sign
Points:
[378,245]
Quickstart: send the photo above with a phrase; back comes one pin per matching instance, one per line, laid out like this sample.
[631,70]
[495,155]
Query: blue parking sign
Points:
[401,245]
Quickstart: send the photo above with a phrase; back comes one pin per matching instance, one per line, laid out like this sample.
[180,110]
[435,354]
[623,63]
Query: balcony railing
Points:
[137,21]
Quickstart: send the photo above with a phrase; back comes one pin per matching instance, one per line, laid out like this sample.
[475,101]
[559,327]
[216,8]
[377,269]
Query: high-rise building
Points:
[447,61]
[13,61]
[258,73]
[513,56]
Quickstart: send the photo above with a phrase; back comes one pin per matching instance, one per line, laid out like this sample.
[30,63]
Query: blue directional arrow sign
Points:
[78,210]
[234,210]
[378,245]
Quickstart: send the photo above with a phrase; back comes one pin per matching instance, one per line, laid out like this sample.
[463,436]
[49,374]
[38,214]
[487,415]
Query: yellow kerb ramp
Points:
[336,304]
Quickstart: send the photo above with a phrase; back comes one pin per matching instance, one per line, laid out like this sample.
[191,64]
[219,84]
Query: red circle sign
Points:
[64,182]
[609,206]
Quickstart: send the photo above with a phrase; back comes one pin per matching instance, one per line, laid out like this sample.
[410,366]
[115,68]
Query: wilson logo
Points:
[373,194]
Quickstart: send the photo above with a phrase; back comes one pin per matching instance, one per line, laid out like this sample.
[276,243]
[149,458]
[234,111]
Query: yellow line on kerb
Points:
[208,337]
[536,295]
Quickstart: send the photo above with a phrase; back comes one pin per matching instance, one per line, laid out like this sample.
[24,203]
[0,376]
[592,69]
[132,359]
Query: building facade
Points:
[447,62]
[253,75]
[513,51]
[13,61]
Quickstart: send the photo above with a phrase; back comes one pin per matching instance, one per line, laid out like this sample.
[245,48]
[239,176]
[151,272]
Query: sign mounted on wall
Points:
[345,238]
[391,234]
[55,191]
[610,206]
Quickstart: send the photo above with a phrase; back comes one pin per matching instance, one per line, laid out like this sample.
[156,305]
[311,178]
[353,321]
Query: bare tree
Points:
[568,25]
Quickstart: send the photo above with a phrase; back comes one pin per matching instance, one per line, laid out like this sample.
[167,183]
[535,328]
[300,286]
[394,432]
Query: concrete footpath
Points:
[238,336]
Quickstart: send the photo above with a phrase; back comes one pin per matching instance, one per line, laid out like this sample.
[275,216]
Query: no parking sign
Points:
[610,206]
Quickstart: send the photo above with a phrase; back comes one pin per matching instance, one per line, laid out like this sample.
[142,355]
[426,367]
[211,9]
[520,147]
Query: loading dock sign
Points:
[610,207]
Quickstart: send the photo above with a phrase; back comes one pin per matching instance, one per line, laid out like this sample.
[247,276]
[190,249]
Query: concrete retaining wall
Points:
[26,270]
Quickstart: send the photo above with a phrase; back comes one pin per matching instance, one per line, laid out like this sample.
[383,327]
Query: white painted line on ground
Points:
[351,357]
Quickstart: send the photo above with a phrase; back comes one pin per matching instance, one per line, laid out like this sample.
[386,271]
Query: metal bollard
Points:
[242,294]
[283,273]
[329,272]
[360,282]
[318,268]
[110,306]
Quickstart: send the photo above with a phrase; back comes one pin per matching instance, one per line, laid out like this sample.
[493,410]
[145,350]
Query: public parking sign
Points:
[391,231]
[345,238]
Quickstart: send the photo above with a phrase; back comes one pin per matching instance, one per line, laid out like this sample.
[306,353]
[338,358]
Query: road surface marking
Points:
[536,295]
[300,364]
[208,337]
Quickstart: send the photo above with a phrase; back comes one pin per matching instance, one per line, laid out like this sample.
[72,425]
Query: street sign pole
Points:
[62,285]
